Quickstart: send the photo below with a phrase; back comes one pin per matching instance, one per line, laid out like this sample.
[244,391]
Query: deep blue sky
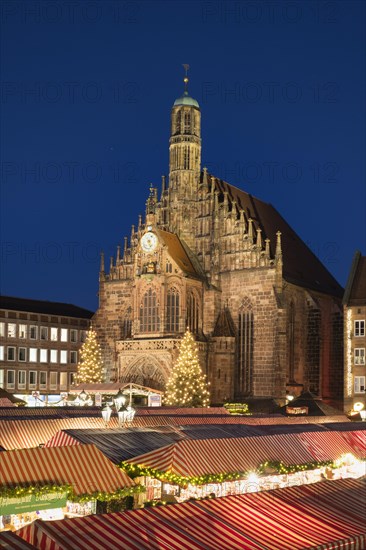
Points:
[87,89]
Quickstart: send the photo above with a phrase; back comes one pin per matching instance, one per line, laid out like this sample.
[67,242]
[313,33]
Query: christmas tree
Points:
[90,366]
[187,386]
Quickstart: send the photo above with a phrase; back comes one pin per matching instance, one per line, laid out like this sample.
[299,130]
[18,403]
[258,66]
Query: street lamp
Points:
[106,414]
[119,400]
[125,415]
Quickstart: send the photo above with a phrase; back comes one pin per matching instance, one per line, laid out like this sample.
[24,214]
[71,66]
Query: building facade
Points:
[354,303]
[266,313]
[39,345]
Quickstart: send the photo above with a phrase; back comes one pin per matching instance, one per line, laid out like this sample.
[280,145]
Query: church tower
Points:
[184,160]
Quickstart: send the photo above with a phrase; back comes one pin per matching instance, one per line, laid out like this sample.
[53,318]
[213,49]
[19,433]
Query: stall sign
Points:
[154,400]
[31,503]
[297,410]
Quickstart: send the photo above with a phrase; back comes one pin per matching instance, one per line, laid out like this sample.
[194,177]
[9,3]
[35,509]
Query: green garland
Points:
[274,467]
[39,490]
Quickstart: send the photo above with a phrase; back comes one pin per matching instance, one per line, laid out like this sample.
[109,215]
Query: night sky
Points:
[86,93]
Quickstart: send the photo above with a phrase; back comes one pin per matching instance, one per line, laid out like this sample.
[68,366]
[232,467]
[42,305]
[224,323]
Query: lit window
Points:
[82,335]
[2,378]
[63,357]
[73,357]
[54,334]
[2,329]
[1,353]
[53,380]
[43,355]
[63,380]
[33,332]
[72,378]
[22,379]
[73,335]
[359,356]
[359,384]
[42,380]
[22,331]
[10,379]
[11,354]
[64,332]
[359,328]
[33,355]
[53,355]
[44,333]
[32,379]
[22,353]
[12,330]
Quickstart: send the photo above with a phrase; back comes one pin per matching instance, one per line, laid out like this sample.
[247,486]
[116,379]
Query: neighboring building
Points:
[354,303]
[266,313]
[39,344]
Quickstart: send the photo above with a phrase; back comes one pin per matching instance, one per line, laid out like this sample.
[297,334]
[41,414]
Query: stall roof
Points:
[324,515]
[82,466]
[116,444]
[10,541]
[111,388]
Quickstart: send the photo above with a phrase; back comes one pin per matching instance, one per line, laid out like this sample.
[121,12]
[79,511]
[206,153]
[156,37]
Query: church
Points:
[265,312]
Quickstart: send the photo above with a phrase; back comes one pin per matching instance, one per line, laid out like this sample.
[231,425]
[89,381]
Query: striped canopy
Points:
[195,457]
[324,516]
[11,541]
[83,466]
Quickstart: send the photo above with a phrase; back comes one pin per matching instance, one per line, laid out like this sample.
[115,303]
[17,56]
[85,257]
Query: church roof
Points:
[355,293]
[178,253]
[300,265]
[186,99]
[224,324]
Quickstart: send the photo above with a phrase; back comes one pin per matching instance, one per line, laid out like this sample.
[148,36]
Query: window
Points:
[10,379]
[63,357]
[359,328]
[32,379]
[72,378]
[22,331]
[149,321]
[192,313]
[44,333]
[2,378]
[53,356]
[33,332]
[22,354]
[64,332]
[359,356]
[12,330]
[43,355]
[245,349]
[359,384]
[63,380]
[73,335]
[42,380]
[2,329]
[126,329]
[53,380]
[33,355]
[82,335]
[172,310]
[22,379]
[1,353]
[73,357]
[53,331]
[11,354]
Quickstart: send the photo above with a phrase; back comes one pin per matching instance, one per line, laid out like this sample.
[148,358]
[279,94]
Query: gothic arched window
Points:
[192,313]
[172,310]
[149,312]
[126,325]
[187,122]
[291,341]
[245,348]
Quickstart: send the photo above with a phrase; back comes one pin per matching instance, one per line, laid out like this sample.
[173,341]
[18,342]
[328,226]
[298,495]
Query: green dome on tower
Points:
[186,99]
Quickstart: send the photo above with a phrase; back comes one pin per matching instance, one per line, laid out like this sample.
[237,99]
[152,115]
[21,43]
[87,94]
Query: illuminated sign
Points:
[297,410]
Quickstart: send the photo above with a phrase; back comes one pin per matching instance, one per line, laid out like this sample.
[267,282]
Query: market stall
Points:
[274,520]
[56,483]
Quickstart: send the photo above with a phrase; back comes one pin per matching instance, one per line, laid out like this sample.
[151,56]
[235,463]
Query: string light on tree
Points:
[90,367]
[187,386]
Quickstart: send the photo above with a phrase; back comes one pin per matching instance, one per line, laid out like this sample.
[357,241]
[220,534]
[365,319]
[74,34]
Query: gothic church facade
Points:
[266,313]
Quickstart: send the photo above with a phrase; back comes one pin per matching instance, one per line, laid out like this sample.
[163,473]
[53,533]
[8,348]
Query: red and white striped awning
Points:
[83,466]
[10,541]
[284,519]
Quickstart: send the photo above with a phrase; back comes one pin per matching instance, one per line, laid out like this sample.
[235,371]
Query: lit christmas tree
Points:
[90,366]
[187,386]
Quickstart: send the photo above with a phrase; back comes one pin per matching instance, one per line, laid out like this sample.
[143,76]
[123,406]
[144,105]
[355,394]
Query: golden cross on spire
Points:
[186,79]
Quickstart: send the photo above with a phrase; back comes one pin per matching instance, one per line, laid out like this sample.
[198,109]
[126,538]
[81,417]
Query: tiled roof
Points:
[355,293]
[178,253]
[42,306]
[300,265]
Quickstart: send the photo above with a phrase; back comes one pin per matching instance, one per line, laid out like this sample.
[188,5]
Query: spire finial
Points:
[186,79]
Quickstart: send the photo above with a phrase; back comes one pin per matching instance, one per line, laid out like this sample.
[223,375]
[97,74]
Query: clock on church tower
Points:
[149,242]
